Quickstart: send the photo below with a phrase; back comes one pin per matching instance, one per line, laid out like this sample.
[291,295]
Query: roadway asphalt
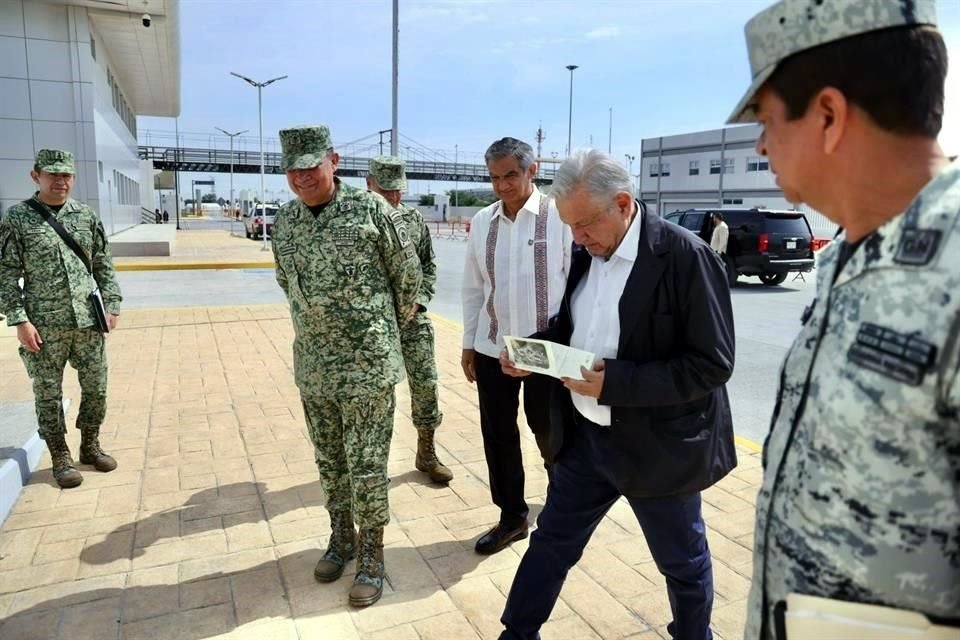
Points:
[767,318]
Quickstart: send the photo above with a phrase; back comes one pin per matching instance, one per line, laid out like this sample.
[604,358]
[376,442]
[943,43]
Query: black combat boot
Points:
[64,472]
[368,583]
[342,547]
[427,458]
[91,453]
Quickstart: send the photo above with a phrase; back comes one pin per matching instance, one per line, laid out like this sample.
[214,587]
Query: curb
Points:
[15,473]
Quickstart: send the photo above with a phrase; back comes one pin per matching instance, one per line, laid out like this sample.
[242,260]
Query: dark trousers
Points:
[581,493]
[499,403]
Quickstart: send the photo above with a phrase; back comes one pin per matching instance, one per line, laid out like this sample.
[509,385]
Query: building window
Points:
[659,169]
[728,165]
[714,167]
[755,163]
[93,47]
[100,169]
[733,201]
[694,167]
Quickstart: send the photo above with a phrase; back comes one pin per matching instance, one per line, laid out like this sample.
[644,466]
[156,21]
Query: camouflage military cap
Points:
[389,172]
[55,161]
[304,147]
[792,26]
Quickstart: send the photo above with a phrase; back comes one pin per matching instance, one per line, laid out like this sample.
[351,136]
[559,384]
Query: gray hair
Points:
[601,175]
[511,147]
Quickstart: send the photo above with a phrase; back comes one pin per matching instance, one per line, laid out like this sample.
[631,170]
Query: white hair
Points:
[601,175]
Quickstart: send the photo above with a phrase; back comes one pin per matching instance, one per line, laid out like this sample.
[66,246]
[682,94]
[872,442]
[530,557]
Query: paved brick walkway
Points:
[212,524]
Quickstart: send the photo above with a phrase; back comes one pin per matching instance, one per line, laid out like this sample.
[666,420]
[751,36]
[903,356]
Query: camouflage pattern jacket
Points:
[859,500]
[347,274]
[420,237]
[55,282]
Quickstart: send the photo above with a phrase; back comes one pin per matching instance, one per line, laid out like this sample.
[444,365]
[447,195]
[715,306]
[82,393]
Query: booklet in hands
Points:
[549,358]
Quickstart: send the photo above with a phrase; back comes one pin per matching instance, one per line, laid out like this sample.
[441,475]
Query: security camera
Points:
[147,20]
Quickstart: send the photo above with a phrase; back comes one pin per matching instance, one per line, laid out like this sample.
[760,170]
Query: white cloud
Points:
[603,33]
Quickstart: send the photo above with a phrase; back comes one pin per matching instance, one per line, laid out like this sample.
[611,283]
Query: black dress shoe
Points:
[500,537]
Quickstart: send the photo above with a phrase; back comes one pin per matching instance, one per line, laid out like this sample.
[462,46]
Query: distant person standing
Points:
[388,178]
[166,217]
[158,217]
[52,312]
[721,233]
[351,275]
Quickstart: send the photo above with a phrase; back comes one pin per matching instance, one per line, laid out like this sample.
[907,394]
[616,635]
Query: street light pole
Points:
[233,207]
[456,174]
[571,67]
[610,134]
[263,202]
[394,134]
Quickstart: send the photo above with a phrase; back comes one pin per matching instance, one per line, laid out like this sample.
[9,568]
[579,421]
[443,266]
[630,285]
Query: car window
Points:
[674,218]
[793,225]
[735,219]
[693,221]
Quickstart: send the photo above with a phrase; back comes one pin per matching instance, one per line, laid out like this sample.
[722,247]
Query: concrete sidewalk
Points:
[212,523]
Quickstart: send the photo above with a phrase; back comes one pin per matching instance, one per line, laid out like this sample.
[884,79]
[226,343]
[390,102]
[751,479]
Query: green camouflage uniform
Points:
[54,298]
[417,336]
[348,273]
[859,495]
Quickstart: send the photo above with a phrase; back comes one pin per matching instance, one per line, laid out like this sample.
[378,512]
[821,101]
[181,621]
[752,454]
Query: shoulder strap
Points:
[63,233]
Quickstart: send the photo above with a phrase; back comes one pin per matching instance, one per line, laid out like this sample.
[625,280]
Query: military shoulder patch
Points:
[917,246]
[400,228]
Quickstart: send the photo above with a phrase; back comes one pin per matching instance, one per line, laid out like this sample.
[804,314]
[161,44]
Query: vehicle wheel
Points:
[772,279]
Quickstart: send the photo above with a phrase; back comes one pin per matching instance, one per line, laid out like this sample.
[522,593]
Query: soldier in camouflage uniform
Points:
[54,320]
[388,178]
[859,496]
[351,275]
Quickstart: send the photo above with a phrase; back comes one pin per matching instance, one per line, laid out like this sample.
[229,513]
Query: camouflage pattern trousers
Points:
[417,341]
[84,350]
[351,434]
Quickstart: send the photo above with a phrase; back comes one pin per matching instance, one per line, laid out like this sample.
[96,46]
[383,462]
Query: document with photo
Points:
[549,358]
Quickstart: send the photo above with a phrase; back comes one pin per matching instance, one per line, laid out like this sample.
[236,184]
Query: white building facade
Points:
[74,75]
[716,168]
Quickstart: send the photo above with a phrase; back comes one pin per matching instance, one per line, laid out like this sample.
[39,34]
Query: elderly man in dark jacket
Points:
[651,421]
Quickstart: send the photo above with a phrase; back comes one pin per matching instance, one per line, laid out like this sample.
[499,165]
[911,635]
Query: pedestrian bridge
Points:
[206,160]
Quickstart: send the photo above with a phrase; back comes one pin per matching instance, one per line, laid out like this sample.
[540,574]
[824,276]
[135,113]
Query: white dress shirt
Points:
[595,306]
[511,296]
[718,241]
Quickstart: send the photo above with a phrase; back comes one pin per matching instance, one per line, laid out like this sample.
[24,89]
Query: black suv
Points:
[765,243]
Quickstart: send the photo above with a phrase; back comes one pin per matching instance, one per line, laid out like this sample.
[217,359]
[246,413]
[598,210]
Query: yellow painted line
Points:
[740,440]
[446,321]
[183,266]
[748,444]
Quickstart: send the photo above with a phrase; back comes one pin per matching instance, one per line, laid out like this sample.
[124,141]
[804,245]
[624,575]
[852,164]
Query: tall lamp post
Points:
[233,206]
[263,202]
[630,160]
[571,67]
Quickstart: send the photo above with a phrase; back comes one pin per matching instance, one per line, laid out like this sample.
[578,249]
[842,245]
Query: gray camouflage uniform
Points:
[859,500]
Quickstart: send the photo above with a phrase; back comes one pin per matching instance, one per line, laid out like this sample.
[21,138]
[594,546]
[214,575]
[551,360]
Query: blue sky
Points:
[472,71]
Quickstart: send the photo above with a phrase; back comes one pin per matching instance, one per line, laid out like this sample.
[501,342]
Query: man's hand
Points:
[466,361]
[506,365]
[416,308]
[592,383]
[29,337]
[112,320]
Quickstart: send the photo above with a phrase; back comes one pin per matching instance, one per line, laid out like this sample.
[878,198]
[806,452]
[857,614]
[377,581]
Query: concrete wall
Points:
[53,93]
